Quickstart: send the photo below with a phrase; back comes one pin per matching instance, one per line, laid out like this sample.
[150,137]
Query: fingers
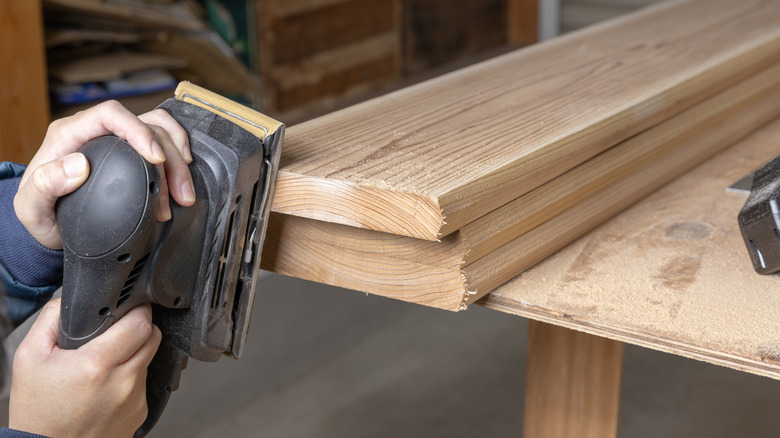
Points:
[123,339]
[175,143]
[57,172]
[112,118]
[35,200]
[145,354]
[42,336]
[69,134]
[177,174]
[177,134]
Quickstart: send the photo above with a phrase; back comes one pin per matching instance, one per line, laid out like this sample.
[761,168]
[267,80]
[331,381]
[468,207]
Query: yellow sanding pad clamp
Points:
[247,118]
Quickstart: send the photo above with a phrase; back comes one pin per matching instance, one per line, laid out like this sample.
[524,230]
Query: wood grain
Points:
[429,159]
[572,384]
[132,15]
[671,273]
[315,53]
[490,251]
[299,36]
[24,98]
[504,263]
[444,32]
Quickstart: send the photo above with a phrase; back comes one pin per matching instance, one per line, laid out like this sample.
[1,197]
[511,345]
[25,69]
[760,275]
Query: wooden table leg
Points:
[572,384]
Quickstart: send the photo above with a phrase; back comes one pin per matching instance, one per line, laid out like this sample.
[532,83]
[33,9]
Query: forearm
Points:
[29,271]
[13,433]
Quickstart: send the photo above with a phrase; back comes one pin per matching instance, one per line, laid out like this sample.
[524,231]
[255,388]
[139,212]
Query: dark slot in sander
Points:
[199,269]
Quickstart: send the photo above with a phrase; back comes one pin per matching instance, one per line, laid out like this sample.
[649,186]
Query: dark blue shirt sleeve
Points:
[13,433]
[30,272]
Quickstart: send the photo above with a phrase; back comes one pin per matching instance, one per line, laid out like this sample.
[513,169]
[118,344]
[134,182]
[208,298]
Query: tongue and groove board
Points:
[466,265]
[429,159]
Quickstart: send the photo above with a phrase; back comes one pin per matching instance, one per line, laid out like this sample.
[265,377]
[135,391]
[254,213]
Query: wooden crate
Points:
[442,32]
[315,53]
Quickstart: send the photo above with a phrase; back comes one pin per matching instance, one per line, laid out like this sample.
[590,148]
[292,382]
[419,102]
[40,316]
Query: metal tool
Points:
[759,219]
[199,269]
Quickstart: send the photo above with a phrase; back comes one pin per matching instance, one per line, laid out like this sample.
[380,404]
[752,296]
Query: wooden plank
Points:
[575,15]
[488,233]
[286,8]
[24,97]
[613,166]
[59,37]
[299,36]
[316,53]
[466,265]
[634,4]
[671,273]
[209,63]
[444,32]
[178,15]
[522,22]
[429,159]
[108,66]
[572,384]
[334,62]
[334,74]
[503,264]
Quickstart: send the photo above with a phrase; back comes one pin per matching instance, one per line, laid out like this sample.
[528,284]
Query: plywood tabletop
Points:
[671,273]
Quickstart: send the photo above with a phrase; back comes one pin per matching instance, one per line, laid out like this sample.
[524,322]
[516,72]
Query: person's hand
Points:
[57,169]
[98,390]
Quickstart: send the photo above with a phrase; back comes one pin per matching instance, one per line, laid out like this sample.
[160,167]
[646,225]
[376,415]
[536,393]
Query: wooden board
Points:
[24,97]
[671,273]
[572,384]
[615,165]
[178,15]
[208,62]
[442,32]
[58,37]
[466,265]
[579,13]
[427,160]
[522,18]
[108,66]
[314,53]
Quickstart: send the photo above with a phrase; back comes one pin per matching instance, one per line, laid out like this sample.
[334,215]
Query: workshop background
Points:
[322,361]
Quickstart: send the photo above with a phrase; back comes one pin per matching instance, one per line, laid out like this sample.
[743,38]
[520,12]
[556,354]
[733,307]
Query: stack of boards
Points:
[439,193]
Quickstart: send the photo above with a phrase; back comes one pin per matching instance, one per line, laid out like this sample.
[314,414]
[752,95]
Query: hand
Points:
[57,169]
[98,390]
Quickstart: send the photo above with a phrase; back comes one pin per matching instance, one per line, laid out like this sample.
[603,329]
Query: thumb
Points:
[34,202]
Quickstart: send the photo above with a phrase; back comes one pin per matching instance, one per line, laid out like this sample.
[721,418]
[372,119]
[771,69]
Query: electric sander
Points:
[200,268]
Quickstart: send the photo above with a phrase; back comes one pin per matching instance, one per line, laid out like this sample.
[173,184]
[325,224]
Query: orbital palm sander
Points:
[199,269]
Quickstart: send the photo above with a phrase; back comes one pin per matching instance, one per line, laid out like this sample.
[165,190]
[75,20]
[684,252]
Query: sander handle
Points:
[107,227]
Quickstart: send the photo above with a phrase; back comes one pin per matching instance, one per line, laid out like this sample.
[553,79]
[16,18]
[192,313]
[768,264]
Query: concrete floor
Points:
[325,362]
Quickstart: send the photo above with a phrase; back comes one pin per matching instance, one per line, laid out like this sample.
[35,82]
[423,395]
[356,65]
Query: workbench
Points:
[671,273]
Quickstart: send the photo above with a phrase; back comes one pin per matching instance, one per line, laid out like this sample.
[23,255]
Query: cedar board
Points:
[426,160]
[441,274]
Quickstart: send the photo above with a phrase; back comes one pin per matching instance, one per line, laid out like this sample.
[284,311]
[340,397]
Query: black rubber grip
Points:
[107,228]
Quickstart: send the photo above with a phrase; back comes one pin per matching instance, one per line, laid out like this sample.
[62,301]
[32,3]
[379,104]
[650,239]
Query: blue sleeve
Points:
[13,433]
[29,271]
